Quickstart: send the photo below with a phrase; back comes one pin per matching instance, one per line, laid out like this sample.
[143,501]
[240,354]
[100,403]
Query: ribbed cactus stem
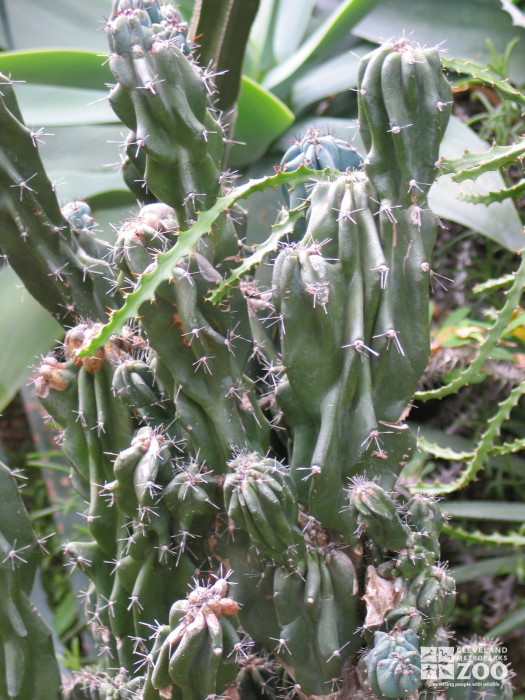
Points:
[239,462]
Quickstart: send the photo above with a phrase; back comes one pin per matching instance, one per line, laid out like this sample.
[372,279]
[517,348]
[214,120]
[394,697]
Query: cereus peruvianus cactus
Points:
[238,452]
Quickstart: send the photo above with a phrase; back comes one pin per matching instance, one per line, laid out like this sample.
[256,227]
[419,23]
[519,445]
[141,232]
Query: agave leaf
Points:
[485,510]
[59,106]
[222,28]
[58,23]
[331,77]
[291,22]
[334,28]
[27,331]
[72,68]
[261,119]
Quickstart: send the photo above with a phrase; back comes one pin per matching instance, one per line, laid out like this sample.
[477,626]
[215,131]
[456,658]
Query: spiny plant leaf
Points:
[186,243]
[495,196]
[484,75]
[494,335]
[504,281]
[509,539]
[481,451]
[283,227]
[471,165]
[509,447]
[441,452]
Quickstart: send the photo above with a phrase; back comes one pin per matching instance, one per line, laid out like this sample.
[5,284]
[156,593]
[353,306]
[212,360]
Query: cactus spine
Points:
[254,465]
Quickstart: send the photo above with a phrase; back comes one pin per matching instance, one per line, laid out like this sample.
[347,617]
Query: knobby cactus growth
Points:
[238,460]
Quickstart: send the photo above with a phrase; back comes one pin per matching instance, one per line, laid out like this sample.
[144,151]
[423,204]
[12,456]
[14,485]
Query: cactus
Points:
[318,151]
[27,662]
[244,534]
[394,664]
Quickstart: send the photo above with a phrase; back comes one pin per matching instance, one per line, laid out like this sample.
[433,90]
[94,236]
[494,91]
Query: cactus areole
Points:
[238,461]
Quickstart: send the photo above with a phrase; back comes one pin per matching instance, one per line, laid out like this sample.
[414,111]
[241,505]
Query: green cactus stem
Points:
[27,661]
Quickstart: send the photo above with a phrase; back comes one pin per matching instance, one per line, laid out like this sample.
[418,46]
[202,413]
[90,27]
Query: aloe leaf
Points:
[504,281]
[474,465]
[455,445]
[493,337]
[187,240]
[442,452]
[495,196]
[507,539]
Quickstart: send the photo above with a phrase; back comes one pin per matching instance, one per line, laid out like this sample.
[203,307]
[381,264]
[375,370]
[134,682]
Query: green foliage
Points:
[237,438]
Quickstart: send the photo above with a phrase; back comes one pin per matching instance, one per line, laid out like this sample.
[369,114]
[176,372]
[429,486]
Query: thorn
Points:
[391,334]
[24,186]
[150,84]
[361,348]
[203,362]
[396,129]
[374,437]
[14,557]
[37,134]
[383,274]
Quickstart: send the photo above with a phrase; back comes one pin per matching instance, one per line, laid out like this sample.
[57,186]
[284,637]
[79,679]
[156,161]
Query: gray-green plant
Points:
[237,446]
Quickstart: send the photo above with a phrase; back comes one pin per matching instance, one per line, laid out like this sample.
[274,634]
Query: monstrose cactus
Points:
[238,460]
